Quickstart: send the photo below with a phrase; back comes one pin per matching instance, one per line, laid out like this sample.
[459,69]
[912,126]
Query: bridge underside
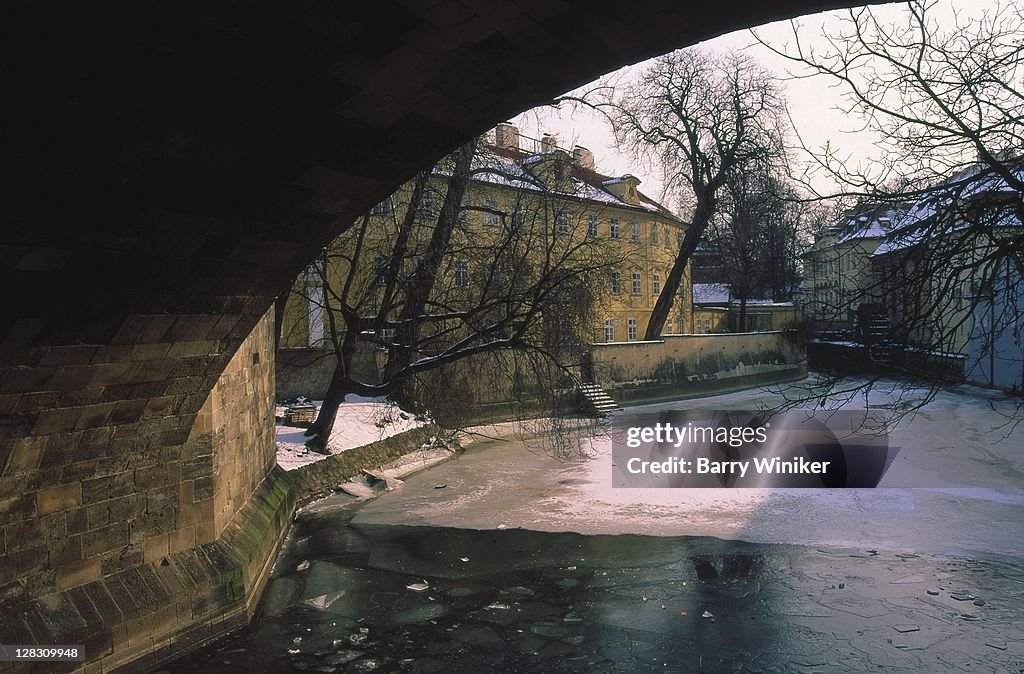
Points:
[170,169]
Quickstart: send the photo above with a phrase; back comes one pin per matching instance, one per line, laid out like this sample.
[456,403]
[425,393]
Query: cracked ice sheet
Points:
[947,445]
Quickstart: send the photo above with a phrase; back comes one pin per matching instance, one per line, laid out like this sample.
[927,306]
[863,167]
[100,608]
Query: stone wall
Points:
[127,542]
[692,365]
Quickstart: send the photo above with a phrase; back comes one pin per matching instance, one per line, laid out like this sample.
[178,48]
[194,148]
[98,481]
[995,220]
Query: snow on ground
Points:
[360,422]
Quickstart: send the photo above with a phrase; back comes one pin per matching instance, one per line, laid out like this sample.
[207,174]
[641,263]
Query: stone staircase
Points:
[598,399]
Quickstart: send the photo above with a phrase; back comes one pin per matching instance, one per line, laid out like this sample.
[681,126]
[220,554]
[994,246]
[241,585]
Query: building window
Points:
[491,216]
[654,234]
[561,222]
[518,219]
[707,326]
[315,315]
[383,208]
[614,228]
[682,326]
[656,284]
[461,274]
[637,283]
[591,224]
[609,330]
[631,329]
[380,271]
[634,230]
[616,283]
[425,209]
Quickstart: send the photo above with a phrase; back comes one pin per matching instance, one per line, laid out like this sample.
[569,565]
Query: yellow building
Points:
[570,215]
[716,311]
[838,271]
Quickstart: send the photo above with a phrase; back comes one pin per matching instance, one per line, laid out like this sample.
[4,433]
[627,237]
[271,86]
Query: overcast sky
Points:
[812,102]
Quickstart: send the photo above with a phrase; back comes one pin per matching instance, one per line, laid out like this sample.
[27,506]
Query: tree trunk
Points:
[320,432]
[421,285]
[279,305]
[743,315]
[701,218]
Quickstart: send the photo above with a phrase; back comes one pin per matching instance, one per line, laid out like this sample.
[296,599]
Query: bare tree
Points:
[700,117]
[947,101]
[438,277]
[755,237]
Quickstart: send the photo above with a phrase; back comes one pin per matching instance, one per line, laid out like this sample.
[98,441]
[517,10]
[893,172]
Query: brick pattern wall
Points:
[93,508]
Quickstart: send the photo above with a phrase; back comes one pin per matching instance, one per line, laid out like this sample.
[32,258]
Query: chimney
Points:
[583,157]
[506,136]
[548,143]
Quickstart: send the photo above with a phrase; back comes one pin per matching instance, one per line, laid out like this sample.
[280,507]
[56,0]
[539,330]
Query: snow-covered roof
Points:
[710,293]
[507,168]
[765,303]
[965,190]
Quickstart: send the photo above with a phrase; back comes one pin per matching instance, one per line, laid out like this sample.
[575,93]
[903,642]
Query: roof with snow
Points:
[975,195]
[509,167]
[710,293]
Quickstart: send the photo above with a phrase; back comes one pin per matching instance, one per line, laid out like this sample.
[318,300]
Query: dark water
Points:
[530,601]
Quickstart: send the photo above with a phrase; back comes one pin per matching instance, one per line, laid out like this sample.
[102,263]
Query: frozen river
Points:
[967,463]
[507,560]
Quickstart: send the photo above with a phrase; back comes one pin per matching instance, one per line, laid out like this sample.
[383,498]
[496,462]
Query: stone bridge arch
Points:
[170,169]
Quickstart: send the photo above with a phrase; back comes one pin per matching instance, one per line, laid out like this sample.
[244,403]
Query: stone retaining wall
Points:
[680,366]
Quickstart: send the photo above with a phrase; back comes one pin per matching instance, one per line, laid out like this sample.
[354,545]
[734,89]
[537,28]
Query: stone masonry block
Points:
[78,471]
[108,487]
[155,548]
[34,402]
[94,416]
[81,397]
[15,565]
[72,377]
[25,455]
[56,421]
[78,573]
[109,374]
[17,507]
[127,411]
[152,351]
[9,403]
[26,379]
[182,538]
[161,406]
[105,539]
[157,328]
[77,521]
[54,499]
[65,551]
[115,561]
[154,370]
[193,349]
[126,508]
[69,355]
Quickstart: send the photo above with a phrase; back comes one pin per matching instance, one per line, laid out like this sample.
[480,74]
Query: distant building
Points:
[838,273]
[716,310]
[961,236]
[938,280]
